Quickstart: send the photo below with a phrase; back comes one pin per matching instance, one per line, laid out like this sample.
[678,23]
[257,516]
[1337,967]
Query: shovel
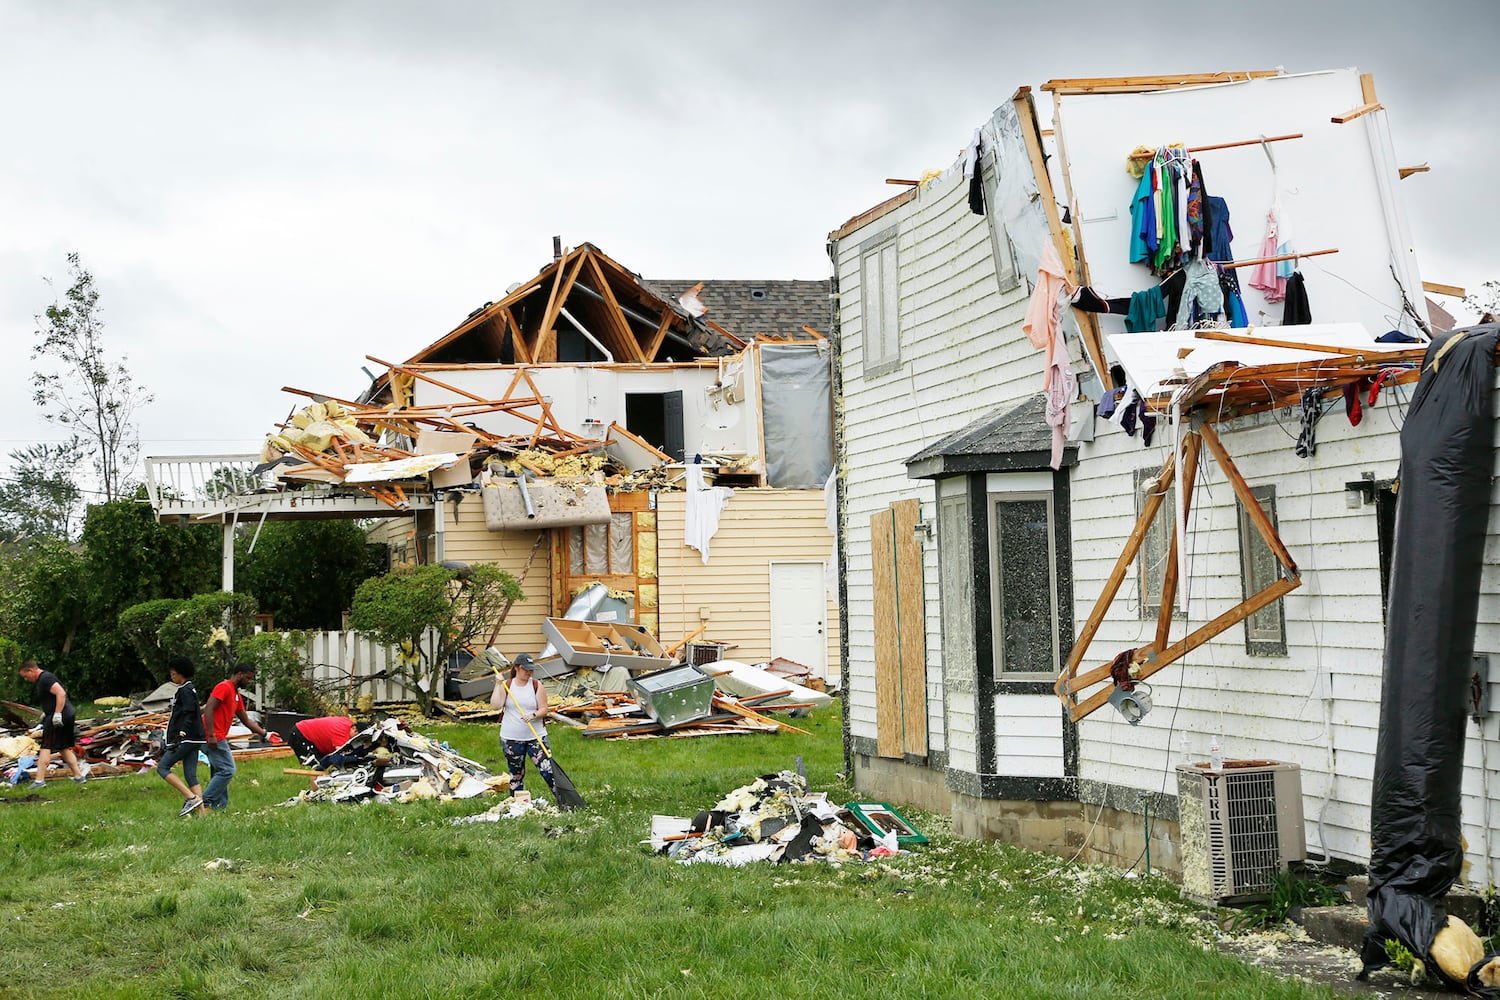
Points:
[562,786]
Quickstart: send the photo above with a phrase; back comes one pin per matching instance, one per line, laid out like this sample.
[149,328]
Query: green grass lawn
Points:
[104,893]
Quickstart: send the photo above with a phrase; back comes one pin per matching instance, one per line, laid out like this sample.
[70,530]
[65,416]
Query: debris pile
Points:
[379,445]
[388,762]
[774,818]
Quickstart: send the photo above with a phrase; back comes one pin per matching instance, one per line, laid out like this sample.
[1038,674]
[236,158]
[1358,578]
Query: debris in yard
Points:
[392,763]
[518,805]
[771,819]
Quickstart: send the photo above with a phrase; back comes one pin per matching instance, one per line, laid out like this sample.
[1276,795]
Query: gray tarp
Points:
[797,398]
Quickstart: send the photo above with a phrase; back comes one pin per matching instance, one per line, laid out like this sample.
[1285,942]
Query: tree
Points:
[305,572]
[458,603]
[39,500]
[1486,301]
[87,392]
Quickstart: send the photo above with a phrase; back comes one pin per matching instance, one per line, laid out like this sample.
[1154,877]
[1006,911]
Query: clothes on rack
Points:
[1218,234]
[1146,310]
[1201,290]
[1234,302]
[1263,276]
[1297,311]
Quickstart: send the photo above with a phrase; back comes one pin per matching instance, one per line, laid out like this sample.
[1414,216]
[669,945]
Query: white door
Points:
[799,611]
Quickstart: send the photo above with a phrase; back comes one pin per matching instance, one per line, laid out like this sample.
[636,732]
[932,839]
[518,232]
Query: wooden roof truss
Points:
[587,291]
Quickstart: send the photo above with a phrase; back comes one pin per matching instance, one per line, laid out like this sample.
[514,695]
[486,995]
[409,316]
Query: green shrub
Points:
[280,660]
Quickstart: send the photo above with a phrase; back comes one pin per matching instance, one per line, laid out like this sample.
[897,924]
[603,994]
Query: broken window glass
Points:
[1265,630]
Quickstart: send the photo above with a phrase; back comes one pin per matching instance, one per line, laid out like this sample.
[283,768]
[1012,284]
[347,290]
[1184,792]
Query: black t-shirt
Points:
[46,700]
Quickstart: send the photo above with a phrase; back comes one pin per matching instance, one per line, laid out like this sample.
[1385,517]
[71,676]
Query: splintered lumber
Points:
[730,705]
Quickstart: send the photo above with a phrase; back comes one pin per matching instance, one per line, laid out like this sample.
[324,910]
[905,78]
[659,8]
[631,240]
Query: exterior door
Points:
[799,609]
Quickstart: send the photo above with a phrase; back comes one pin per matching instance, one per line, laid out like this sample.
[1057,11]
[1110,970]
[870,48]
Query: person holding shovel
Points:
[523,731]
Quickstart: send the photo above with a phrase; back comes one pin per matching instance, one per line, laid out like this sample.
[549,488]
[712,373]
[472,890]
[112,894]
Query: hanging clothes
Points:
[1200,288]
[1171,290]
[1263,276]
[1145,311]
[1234,302]
[1043,327]
[974,173]
[1218,236]
[1312,411]
[1142,221]
[1166,201]
[705,504]
[1195,210]
[1297,312]
[1062,389]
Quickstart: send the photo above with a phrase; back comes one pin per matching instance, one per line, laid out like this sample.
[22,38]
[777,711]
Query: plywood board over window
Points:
[900,640]
[621,555]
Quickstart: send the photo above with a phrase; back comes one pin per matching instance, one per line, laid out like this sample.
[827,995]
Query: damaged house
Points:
[1044,619]
[586,427]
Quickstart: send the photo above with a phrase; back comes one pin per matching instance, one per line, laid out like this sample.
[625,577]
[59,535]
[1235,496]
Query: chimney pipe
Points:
[557,248]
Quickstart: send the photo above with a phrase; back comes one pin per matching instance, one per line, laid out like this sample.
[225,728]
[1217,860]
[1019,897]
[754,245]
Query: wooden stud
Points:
[1367,88]
[1112,584]
[1030,132]
[616,318]
[1133,84]
[1406,172]
[1437,288]
[660,336]
[1247,499]
[1359,112]
[1295,345]
[1185,484]
[902,180]
[517,337]
[546,338]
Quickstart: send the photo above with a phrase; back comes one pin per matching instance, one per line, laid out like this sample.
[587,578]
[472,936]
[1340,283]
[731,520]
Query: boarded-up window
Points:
[1265,630]
[879,304]
[900,632]
[1024,584]
[1156,546]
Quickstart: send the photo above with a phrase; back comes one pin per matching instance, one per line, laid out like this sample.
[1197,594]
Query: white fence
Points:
[347,665]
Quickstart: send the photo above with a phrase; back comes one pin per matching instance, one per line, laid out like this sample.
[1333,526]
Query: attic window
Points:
[758,294]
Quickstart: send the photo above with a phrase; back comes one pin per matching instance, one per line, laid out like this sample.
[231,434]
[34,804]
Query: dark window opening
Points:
[657,417]
[574,348]
[1385,528]
[757,294]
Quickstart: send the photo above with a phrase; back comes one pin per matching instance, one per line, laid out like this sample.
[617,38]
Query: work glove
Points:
[57,719]
[273,738]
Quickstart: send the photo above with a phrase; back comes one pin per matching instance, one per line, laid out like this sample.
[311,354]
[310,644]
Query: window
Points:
[956,586]
[1023,584]
[1265,631]
[1156,547]
[879,304]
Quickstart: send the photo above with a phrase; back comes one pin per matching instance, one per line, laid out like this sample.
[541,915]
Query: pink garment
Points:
[1044,311]
[1062,389]
[1264,276]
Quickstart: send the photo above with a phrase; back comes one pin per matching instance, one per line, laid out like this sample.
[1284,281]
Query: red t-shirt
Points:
[328,733]
[229,705]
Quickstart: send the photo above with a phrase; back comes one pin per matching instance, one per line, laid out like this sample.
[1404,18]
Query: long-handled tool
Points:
[562,786]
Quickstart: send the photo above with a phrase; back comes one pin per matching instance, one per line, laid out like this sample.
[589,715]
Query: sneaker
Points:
[190,805]
[80,779]
[37,784]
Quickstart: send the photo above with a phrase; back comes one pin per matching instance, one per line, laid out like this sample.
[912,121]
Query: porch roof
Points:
[1008,440]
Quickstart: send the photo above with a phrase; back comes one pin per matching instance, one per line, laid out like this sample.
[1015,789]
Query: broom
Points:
[562,786]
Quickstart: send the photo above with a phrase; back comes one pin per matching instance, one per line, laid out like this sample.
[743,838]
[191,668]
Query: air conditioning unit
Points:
[1240,826]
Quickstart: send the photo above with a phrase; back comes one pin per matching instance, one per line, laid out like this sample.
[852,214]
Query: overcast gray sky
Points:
[267,192]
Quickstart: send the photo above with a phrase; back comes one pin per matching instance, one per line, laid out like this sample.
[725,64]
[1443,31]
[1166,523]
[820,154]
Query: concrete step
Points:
[1337,925]
[1462,902]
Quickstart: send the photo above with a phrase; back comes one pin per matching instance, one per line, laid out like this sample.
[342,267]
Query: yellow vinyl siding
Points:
[758,527]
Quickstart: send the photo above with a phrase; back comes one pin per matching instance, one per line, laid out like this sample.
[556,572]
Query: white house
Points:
[972,567]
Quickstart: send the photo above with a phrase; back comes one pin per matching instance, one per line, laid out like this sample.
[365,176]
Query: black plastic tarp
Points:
[1442,508]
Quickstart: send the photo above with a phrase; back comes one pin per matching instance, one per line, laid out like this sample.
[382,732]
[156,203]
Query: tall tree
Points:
[305,572]
[39,498]
[83,389]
